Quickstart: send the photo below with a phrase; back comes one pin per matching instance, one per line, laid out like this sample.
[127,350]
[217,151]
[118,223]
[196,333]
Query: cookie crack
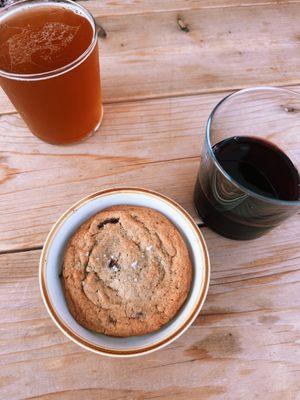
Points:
[125,234]
[108,221]
[88,259]
[86,272]
[130,237]
[105,288]
[162,246]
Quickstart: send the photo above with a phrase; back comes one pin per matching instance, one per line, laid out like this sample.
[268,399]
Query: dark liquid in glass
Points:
[257,165]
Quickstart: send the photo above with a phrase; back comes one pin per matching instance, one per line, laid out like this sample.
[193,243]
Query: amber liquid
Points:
[66,105]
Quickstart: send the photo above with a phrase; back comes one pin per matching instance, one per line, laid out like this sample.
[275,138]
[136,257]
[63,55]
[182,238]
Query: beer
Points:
[49,68]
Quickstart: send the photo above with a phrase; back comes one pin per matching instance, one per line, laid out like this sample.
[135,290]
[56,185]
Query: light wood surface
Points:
[138,144]
[160,83]
[244,344]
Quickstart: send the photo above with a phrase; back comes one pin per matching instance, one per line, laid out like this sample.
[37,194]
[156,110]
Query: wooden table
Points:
[164,66]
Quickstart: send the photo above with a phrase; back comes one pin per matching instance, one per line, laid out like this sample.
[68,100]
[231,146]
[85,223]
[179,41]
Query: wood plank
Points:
[218,53]
[244,345]
[147,55]
[119,7]
[28,213]
[154,144]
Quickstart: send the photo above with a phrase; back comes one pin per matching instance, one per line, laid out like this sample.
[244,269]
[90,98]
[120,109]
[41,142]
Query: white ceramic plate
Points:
[52,258]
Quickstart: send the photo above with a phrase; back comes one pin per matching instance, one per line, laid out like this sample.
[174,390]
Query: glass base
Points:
[76,140]
[221,223]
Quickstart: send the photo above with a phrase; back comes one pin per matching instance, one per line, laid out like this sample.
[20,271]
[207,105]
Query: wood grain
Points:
[245,343]
[147,55]
[217,53]
[155,144]
[119,7]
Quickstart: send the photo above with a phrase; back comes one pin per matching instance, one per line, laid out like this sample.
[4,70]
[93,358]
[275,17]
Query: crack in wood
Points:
[26,249]
[101,31]
[182,25]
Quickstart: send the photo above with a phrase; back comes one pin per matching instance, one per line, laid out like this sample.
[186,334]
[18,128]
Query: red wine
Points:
[257,165]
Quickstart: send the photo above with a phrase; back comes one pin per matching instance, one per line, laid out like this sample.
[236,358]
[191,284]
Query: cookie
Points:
[126,271]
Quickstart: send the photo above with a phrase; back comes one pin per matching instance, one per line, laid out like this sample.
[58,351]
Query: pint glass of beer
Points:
[49,68]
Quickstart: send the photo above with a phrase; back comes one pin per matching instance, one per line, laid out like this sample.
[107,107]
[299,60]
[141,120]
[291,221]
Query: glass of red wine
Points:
[248,180]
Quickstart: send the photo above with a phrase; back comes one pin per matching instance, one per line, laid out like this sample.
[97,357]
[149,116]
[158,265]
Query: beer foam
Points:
[74,8]
[41,45]
[31,45]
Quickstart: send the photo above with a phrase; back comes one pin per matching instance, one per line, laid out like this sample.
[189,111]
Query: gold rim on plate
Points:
[84,342]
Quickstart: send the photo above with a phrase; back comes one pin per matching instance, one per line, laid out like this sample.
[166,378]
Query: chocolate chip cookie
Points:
[126,271]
